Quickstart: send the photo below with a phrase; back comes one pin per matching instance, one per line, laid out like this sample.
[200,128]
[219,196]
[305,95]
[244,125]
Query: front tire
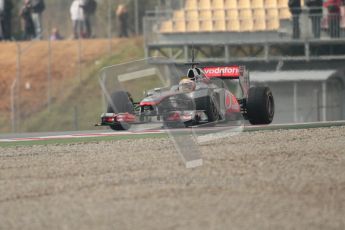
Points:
[121,102]
[260,106]
[212,110]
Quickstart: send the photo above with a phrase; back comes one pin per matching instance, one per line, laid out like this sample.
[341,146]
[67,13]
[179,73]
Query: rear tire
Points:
[121,102]
[260,106]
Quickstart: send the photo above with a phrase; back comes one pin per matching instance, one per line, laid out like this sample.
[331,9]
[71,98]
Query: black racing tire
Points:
[121,102]
[211,109]
[260,106]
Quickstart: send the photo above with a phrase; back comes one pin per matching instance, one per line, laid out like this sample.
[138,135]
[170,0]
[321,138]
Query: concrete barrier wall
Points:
[306,100]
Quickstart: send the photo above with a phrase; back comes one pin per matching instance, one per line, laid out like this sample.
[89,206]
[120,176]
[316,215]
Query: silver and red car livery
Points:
[221,93]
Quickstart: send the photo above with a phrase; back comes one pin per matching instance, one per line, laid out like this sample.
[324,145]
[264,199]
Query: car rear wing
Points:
[244,81]
[222,72]
[230,72]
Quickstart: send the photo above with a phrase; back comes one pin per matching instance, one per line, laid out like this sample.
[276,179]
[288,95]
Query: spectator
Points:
[315,14]
[38,7]
[77,16]
[89,8]
[7,23]
[29,28]
[295,9]
[333,7]
[2,9]
[55,35]
[122,19]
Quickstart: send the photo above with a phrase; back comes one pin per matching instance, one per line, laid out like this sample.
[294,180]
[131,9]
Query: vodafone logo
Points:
[231,71]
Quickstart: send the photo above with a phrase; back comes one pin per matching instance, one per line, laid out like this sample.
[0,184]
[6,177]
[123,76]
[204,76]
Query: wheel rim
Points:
[214,110]
[270,106]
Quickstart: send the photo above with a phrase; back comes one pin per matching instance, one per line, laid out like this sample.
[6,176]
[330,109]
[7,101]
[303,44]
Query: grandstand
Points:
[238,30]
[227,15]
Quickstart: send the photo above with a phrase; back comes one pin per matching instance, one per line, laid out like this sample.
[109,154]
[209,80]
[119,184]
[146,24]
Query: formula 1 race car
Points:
[205,95]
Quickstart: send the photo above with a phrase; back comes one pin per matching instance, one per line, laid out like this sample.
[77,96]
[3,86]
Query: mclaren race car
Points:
[205,95]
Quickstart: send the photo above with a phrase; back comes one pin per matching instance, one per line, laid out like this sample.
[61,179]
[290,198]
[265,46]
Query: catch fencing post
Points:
[110,27]
[15,87]
[136,17]
[13,111]
[295,102]
[49,72]
[324,101]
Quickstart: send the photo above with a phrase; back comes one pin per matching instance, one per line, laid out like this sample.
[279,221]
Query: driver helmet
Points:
[187,85]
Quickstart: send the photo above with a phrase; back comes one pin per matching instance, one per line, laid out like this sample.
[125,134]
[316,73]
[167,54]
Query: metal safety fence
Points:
[38,74]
